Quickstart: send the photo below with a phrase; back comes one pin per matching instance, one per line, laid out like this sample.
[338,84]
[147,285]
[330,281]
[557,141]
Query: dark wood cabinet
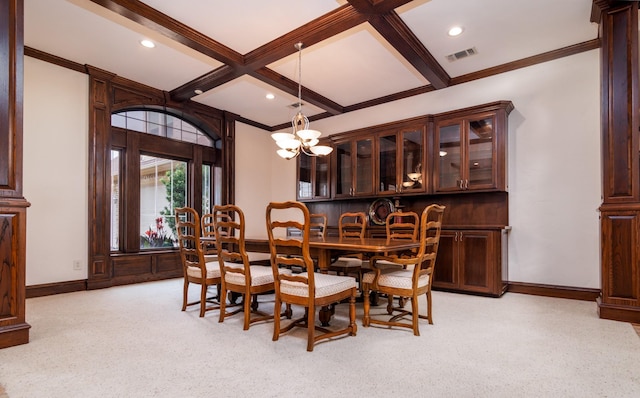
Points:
[354,160]
[401,159]
[457,159]
[471,261]
[457,151]
[313,177]
[471,149]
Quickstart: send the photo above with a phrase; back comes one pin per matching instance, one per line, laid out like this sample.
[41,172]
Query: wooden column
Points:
[13,207]
[100,266]
[620,209]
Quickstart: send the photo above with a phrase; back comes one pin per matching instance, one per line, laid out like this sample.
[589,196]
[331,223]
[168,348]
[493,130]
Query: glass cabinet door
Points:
[305,185]
[413,170]
[387,160]
[364,167]
[449,166]
[321,177]
[344,176]
[481,153]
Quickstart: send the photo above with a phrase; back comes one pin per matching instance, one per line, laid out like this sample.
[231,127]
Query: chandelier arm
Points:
[304,150]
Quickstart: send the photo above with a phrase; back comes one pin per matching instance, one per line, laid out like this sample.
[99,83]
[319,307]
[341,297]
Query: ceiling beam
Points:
[398,34]
[254,63]
[321,28]
[219,76]
[171,28]
[289,86]
[372,7]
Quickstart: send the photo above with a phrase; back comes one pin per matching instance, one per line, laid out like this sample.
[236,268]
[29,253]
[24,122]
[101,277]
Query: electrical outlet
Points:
[76,265]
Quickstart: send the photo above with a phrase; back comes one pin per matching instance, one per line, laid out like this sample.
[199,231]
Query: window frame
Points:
[131,145]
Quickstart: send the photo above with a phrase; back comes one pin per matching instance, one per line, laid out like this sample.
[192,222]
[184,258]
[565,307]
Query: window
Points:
[115,200]
[160,124]
[163,187]
[155,160]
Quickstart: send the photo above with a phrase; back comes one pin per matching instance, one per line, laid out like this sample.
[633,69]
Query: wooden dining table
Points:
[324,249]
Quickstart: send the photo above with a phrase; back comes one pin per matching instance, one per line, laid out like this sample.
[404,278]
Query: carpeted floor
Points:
[133,341]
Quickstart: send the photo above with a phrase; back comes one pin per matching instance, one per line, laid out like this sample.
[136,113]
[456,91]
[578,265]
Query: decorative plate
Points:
[379,210]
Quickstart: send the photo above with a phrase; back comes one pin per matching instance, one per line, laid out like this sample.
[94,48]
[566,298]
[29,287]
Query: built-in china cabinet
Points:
[457,159]
[471,154]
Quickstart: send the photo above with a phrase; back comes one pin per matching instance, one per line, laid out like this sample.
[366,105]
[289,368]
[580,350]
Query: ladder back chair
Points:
[318,225]
[195,268]
[308,289]
[207,231]
[412,278]
[238,274]
[402,226]
[350,225]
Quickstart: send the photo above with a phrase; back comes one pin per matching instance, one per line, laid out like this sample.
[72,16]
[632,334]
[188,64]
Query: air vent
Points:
[462,54]
[295,105]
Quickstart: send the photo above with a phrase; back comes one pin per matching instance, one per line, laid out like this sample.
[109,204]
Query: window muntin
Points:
[162,125]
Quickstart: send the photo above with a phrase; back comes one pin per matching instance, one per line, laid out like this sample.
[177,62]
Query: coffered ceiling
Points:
[356,54]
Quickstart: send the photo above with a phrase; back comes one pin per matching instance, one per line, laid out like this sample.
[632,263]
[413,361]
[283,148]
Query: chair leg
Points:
[203,299]
[247,310]
[185,294]
[311,326]
[367,305]
[390,304]
[429,318]
[223,305]
[352,313]
[277,307]
[415,314]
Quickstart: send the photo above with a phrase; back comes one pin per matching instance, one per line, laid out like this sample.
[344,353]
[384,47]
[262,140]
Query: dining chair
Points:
[238,274]
[195,268]
[399,226]
[308,288]
[350,225]
[402,226]
[412,278]
[318,225]
[207,231]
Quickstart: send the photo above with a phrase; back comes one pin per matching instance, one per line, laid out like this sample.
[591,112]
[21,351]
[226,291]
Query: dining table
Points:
[324,249]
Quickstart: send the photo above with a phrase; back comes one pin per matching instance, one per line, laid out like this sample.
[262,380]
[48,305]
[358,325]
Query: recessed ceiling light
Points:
[147,43]
[270,96]
[455,31]
[198,91]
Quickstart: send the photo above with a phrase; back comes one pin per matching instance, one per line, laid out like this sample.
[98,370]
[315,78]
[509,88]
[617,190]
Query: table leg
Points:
[324,260]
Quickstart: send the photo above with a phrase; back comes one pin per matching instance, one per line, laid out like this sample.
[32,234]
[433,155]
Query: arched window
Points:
[153,157]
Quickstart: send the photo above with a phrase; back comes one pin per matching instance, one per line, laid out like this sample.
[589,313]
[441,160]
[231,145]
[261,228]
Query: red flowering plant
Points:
[157,237]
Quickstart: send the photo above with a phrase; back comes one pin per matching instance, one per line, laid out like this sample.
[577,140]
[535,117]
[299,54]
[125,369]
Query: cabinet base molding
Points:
[618,312]
[13,335]
[567,292]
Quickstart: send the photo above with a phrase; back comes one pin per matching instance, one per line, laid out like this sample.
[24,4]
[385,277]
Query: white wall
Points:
[554,166]
[56,104]
[261,177]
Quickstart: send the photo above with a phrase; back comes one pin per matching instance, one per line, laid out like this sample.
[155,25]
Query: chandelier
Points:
[301,139]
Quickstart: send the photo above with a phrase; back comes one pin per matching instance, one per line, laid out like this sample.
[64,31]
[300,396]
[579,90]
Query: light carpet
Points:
[133,341]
